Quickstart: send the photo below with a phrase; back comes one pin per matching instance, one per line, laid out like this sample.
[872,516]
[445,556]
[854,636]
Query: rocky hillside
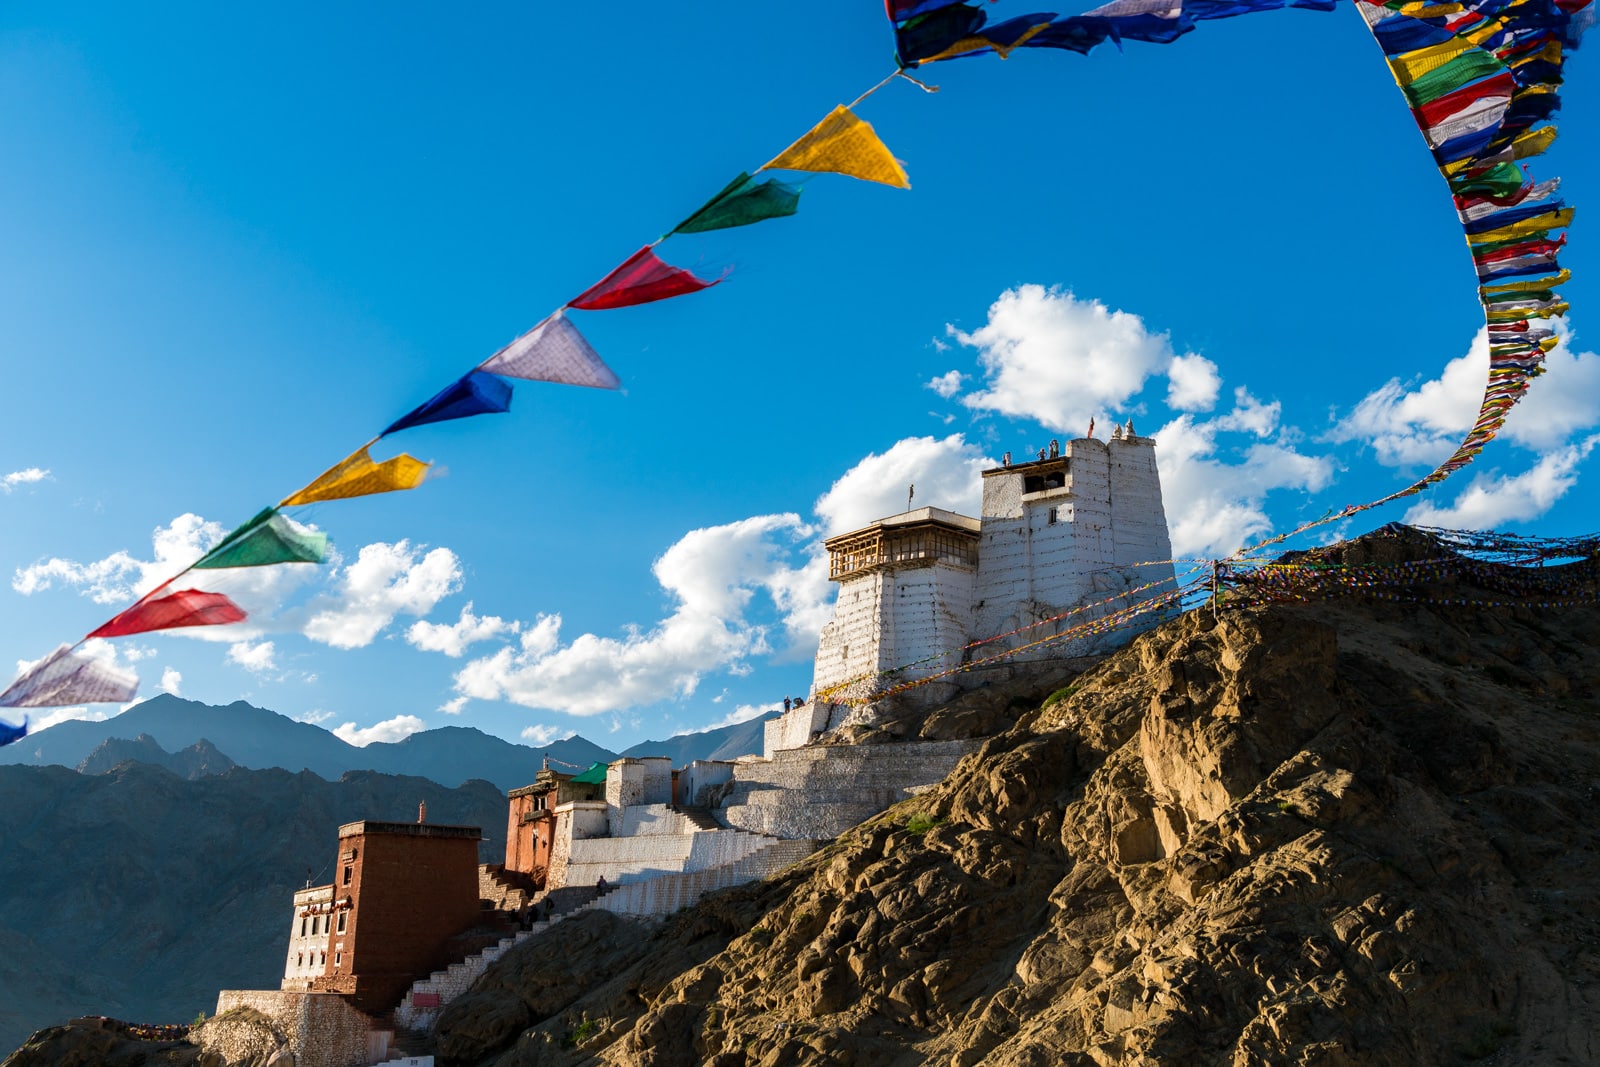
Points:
[1332,834]
[199,760]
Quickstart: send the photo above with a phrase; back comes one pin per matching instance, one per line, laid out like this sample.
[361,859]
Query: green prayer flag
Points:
[743,202]
[264,540]
[1500,180]
[1467,67]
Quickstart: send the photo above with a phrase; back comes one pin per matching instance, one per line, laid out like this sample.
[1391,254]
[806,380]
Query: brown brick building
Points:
[401,893]
[531,816]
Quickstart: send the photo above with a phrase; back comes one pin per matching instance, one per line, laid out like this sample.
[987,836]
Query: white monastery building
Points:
[1070,528]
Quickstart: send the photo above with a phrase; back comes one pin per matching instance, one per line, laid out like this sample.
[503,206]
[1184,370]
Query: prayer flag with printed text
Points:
[843,144]
[475,393]
[553,351]
[267,539]
[66,677]
[187,607]
[358,475]
[641,279]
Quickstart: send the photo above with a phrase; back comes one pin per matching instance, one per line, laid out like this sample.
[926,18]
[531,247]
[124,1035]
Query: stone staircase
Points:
[654,898]
[420,1006]
[667,893]
[699,818]
[506,890]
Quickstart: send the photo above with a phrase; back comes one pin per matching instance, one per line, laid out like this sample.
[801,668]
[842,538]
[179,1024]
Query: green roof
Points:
[595,775]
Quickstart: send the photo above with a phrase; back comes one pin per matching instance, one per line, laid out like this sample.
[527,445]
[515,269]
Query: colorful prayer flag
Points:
[65,677]
[187,607]
[553,351]
[267,539]
[476,393]
[641,278]
[357,475]
[843,144]
[743,202]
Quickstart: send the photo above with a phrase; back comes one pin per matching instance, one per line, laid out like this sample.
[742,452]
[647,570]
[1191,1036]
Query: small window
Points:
[338,958]
[324,959]
[341,922]
[349,873]
[303,923]
[300,961]
[1054,516]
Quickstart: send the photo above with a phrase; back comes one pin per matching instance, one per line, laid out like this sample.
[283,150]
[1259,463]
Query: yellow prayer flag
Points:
[1550,220]
[1533,142]
[359,476]
[1410,66]
[843,144]
[1531,285]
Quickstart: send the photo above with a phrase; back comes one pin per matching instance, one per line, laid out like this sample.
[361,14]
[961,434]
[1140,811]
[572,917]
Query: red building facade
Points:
[401,893]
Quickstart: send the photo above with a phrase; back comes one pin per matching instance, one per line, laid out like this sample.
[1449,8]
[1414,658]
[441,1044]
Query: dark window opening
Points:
[1054,516]
[349,873]
[341,922]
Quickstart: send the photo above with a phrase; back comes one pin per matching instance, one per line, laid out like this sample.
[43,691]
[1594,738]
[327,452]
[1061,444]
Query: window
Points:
[303,923]
[338,958]
[341,922]
[1054,516]
[324,959]
[349,873]
[300,961]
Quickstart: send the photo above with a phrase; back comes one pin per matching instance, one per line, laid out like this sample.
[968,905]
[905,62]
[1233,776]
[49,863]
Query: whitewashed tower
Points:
[1070,527]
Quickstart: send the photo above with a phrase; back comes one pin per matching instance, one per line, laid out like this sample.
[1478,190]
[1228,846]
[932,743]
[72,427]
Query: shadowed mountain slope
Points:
[138,894]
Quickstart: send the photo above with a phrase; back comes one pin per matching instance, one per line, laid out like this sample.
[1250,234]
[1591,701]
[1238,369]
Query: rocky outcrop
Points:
[199,760]
[1328,835]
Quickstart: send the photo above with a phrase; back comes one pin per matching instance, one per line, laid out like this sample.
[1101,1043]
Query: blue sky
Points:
[235,244]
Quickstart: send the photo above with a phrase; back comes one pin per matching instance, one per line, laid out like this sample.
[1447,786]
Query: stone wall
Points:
[322,1029]
[701,775]
[848,644]
[792,729]
[630,782]
[576,821]
[822,791]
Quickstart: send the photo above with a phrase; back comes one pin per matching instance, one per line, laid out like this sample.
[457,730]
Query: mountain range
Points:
[158,730]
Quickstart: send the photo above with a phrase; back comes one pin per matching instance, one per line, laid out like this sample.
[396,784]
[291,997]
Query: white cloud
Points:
[1192,383]
[1421,426]
[258,657]
[544,736]
[712,575]
[60,715]
[314,716]
[396,729]
[1492,499]
[1050,357]
[1214,507]
[947,384]
[453,638]
[172,682]
[454,705]
[120,577]
[23,477]
[1250,415]
[385,580]
[946,471]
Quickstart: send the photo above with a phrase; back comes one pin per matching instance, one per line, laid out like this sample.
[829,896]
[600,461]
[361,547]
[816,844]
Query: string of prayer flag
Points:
[358,475]
[187,607]
[68,677]
[267,539]
[553,351]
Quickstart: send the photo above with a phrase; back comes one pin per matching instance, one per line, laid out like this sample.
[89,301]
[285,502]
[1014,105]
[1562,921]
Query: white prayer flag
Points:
[63,678]
[553,351]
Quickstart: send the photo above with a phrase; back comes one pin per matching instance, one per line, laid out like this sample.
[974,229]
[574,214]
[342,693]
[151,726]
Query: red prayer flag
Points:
[643,277]
[1436,111]
[188,607]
